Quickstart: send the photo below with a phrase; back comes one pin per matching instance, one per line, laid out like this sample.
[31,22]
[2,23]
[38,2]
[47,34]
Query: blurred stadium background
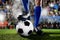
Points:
[50,15]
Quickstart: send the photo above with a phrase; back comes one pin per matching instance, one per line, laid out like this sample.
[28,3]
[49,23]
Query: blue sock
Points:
[25,4]
[37,12]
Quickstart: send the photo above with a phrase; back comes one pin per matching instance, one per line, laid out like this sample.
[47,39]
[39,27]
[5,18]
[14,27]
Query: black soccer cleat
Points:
[39,32]
[20,17]
[24,13]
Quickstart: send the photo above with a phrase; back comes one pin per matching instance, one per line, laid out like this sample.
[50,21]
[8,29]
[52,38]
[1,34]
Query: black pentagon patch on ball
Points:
[30,32]
[20,31]
[26,23]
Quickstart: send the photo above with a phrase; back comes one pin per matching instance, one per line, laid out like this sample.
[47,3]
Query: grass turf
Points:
[10,34]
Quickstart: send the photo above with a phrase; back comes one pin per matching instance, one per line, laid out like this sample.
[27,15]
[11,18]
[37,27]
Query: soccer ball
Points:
[24,28]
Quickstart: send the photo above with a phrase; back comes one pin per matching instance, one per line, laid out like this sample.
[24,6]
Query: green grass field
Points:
[10,34]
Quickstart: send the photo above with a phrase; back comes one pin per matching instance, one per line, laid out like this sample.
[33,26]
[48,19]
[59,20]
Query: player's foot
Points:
[24,13]
[28,18]
[21,18]
[39,32]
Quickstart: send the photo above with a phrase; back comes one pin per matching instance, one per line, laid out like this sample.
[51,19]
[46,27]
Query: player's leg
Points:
[25,12]
[37,12]
[25,4]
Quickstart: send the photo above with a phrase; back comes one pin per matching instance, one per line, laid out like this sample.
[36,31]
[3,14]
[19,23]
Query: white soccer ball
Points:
[25,28]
